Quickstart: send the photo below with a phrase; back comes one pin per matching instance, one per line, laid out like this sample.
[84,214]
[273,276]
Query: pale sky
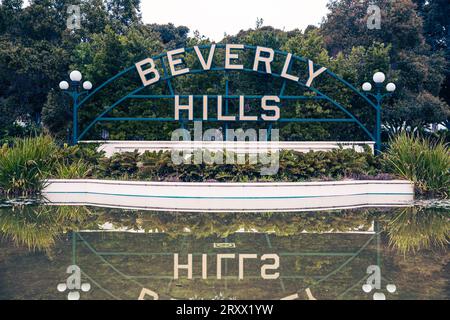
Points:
[213,18]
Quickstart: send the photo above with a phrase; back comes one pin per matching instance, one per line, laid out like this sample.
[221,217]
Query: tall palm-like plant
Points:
[25,166]
[421,160]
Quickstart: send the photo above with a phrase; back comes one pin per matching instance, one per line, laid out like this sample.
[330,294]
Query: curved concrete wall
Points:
[226,197]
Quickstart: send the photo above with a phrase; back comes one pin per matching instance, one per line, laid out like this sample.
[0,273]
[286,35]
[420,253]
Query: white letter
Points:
[181,156]
[173,63]
[205,108]
[148,292]
[374,278]
[74,20]
[241,135]
[143,73]
[266,60]
[177,266]
[74,280]
[274,266]
[232,56]
[219,111]
[179,107]
[197,145]
[269,154]
[374,21]
[216,156]
[241,263]
[205,65]
[274,108]
[242,116]
[312,74]
[284,73]
[221,256]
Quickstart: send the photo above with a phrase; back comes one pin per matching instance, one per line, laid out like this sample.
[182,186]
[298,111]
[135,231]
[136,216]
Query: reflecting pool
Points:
[391,253]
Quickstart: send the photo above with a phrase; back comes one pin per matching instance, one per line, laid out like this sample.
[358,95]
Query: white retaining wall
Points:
[226,197]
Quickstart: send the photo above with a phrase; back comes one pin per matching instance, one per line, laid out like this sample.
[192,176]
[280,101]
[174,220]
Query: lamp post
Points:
[379,95]
[75,90]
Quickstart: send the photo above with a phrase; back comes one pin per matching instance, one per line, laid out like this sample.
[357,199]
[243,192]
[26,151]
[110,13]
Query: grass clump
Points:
[26,164]
[75,170]
[424,161]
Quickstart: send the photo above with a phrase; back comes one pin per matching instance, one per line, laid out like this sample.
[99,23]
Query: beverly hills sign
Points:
[263,57]
[223,59]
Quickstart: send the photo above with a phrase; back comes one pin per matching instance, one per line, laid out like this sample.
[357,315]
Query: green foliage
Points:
[293,166]
[418,71]
[86,152]
[9,133]
[171,36]
[221,225]
[25,166]
[413,229]
[408,229]
[28,162]
[74,170]
[76,162]
[422,160]
[120,165]
[436,25]
[38,227]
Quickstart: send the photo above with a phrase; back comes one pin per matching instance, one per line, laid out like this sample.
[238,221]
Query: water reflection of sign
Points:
[148,292]
[266,269]
[301,269]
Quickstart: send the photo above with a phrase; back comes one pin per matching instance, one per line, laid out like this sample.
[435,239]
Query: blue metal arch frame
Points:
[167,78]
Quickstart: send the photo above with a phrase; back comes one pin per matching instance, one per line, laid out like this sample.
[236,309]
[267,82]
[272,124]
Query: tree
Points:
[36,49]
[171,36]
[436,16]
[106,54]
[436,22]
[417,70]
[33,55]
[124,13]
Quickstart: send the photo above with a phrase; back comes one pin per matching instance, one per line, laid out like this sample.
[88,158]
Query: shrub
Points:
[26,164]
[86,152]
[74,170]
[120,165]
[424,161]
[293,166]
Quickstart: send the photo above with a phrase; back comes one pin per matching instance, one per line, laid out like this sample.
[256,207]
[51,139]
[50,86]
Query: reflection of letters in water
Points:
[271,263]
